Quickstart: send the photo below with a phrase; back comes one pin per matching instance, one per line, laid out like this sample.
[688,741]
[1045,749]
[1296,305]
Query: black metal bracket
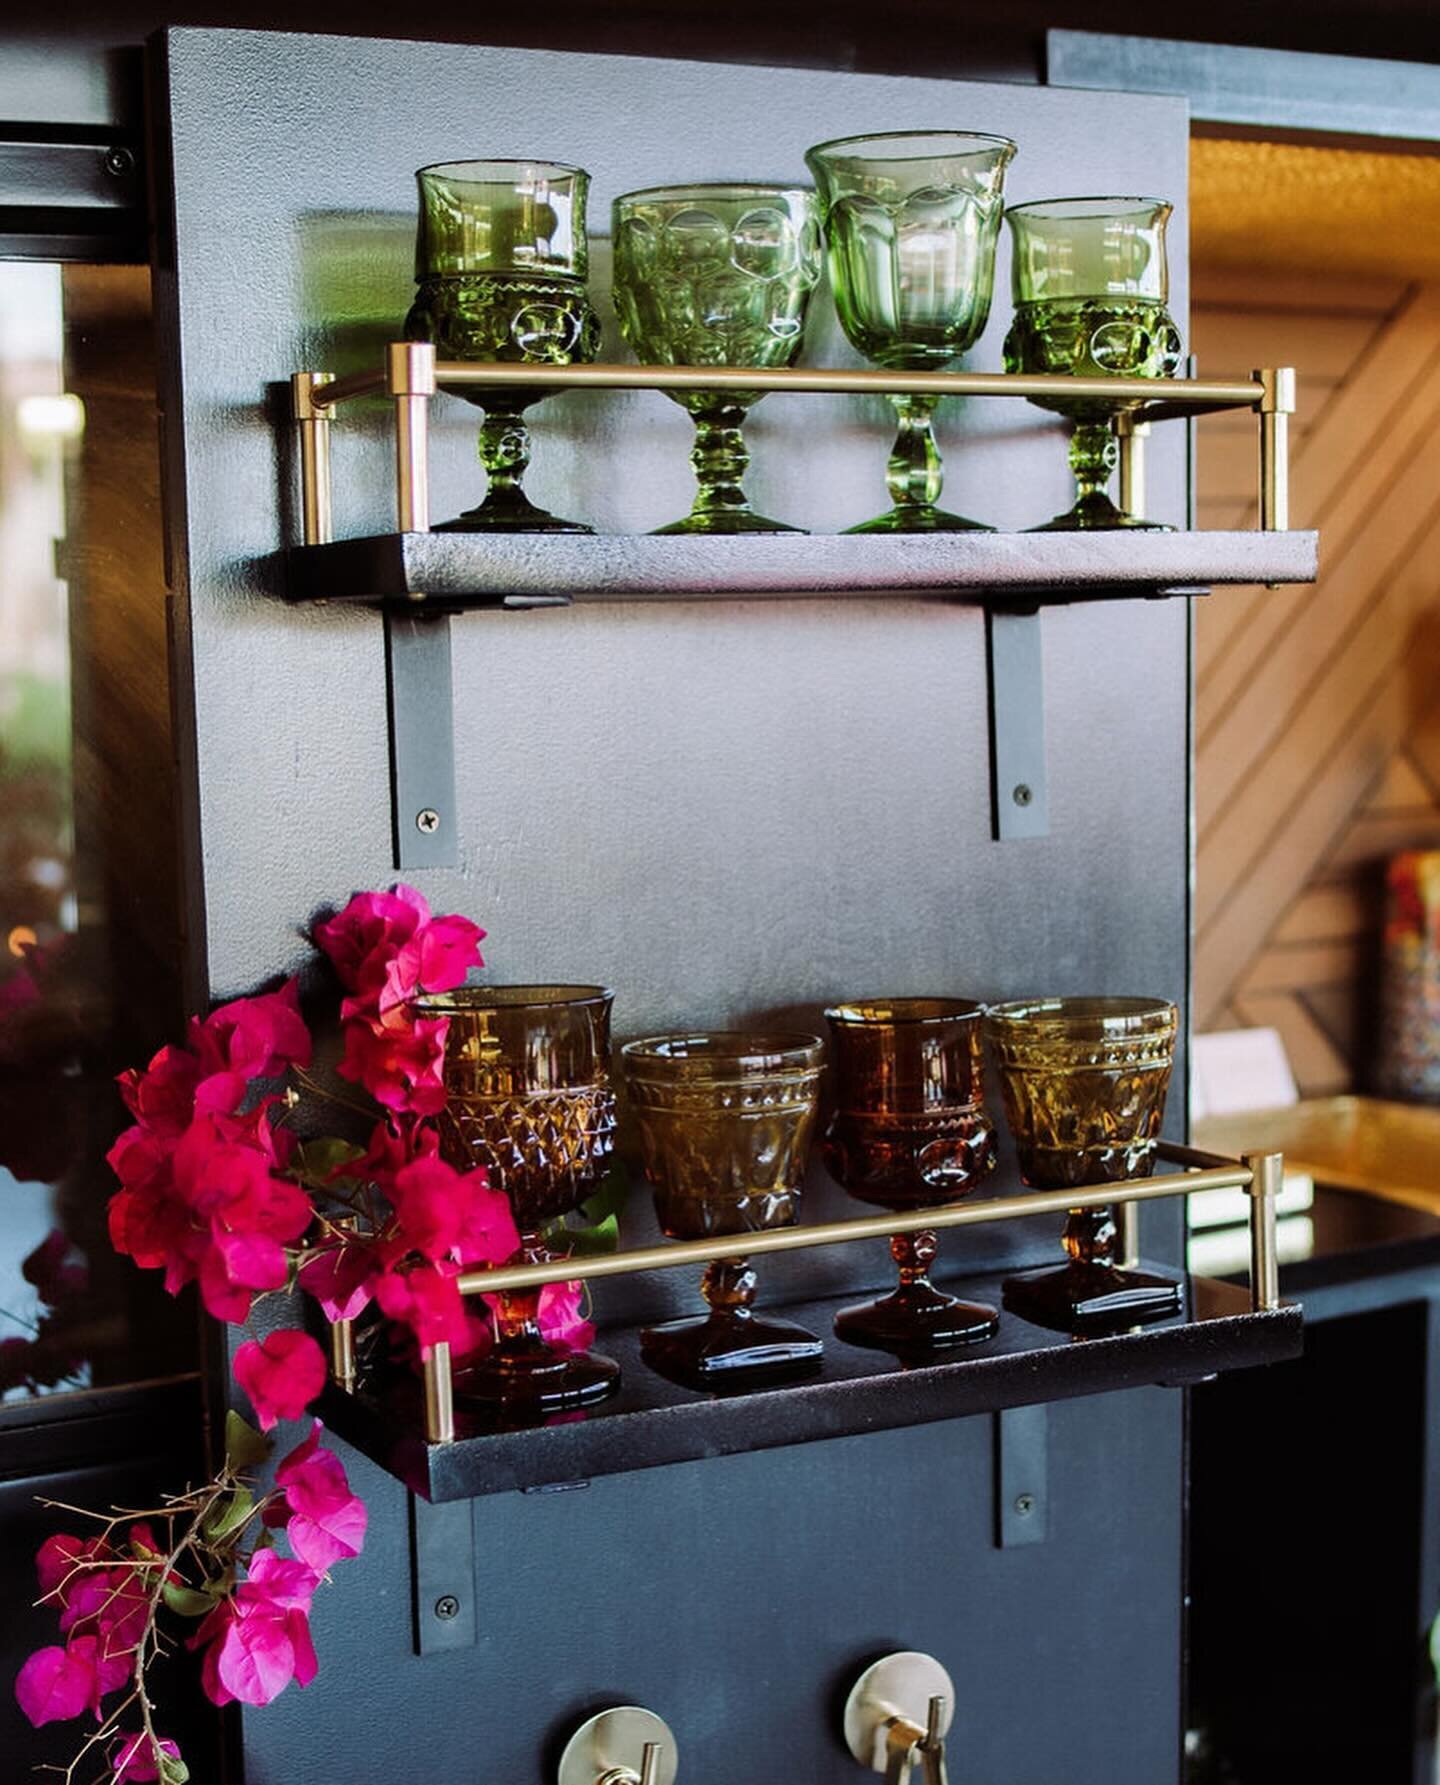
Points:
[442,1575]
[1022,1476]
[1019,797]
[420,699]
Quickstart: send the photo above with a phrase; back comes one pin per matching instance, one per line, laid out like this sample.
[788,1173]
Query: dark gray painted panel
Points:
[730,811]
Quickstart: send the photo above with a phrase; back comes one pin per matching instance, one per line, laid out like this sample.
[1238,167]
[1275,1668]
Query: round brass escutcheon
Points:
[900,1686]
[610,1748]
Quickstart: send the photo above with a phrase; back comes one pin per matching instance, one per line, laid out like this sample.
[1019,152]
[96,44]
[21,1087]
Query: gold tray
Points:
[1391,1150]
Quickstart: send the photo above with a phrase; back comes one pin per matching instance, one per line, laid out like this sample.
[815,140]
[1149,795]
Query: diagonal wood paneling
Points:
[1318,732]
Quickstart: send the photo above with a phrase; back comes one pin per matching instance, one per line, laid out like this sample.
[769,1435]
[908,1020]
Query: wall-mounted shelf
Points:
[414,1429]
[418,577]
[652,1421]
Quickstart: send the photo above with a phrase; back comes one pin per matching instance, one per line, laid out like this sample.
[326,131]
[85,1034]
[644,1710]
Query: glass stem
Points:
[728,1286]
[517,1311]
[1094,454]
[719,460]
[1091,1236]
[914,1253]
[505,454]
[916,473]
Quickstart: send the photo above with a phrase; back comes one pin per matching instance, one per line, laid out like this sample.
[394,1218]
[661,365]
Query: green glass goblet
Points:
[1091,285]
[717,276]
[500,261]
[911,224]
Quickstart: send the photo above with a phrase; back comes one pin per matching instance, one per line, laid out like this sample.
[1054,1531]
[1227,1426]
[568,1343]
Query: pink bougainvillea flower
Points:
[561,1318]
[445,1214]
[435,959]
[132,1759]
[426,1300]
[362,939]
[401,1067]
[61,1560]
[340,1280]
[259,1639]
[234,1267]
[55,1685]
[255,1037]
[162,1098]
[281,1374]
[326,1521]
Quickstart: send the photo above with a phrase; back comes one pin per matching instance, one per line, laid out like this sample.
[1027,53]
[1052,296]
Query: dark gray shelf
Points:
[652,1421]
[525,569]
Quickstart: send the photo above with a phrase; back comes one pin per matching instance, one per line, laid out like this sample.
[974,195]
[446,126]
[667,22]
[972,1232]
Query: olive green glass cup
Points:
[717,276]
[528,1096]
[1083,1082]
[500,265]
[725,1120]
[1091,284]
[911,224]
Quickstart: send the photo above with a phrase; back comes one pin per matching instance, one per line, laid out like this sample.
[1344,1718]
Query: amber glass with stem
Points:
[725,1123]
[528,1092]
[500,262]
[717,276]
[1084,1083]
[910,1130]
[1091,284]
[911,224]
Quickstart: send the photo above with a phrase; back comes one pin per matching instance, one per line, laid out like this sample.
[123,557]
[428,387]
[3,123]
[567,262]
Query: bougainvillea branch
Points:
[217,1189]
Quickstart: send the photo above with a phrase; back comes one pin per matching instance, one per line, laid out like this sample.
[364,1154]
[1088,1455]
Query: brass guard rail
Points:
[411,375]
[1259,1174]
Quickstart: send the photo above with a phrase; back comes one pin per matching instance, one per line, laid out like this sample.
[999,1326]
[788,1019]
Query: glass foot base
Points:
[915,1319]
[735,520]
[1078,1296]
[917,518]
[1098,514]
[536,1379]
[722,1348]
[512,518]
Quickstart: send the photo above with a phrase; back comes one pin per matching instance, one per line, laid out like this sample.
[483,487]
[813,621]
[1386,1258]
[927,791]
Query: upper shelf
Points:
[530,569]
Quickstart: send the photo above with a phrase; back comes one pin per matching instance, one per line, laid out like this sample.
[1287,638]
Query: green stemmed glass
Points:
[1091,285]
[500,260]
[717,276]
[911,223]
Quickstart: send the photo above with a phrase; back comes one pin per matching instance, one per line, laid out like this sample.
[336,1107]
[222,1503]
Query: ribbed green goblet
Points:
[717,276]
[911,223]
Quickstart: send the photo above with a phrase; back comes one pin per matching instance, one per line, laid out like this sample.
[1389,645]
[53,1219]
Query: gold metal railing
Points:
[1259,1174]
[411,375]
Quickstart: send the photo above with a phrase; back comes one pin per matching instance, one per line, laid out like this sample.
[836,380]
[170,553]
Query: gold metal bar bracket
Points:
[1266,1182]
[439,1396]
[1132,431]
[1276,406]
[410,381]
[313,423]
[342,1354]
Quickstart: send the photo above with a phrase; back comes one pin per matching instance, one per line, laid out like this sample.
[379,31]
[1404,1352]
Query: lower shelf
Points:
[651,1421]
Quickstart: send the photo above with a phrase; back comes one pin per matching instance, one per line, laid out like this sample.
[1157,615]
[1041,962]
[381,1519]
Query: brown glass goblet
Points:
[528,1086]
[725,1122]
[910,1131]
[1084,1083]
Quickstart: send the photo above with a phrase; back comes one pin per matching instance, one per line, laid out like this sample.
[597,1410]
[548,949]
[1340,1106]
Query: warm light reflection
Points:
[21,938]
[50,416]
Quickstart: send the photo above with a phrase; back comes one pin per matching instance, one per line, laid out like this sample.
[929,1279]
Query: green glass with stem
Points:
[1091,286]
[715,275]
[911,224]
[500,263]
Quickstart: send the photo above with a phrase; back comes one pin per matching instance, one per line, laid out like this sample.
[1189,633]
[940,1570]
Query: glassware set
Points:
[725,1122]
[718,275]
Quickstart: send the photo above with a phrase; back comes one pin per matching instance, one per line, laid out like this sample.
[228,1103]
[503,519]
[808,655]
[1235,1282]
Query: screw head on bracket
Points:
[1024,1504]
[119,161]
[447,1606]
[427,820]
[1022,795]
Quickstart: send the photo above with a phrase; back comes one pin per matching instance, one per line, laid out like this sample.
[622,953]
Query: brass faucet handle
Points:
[626,1745]
[897,1714]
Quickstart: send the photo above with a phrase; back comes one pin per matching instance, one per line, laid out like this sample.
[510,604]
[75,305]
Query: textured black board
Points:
[470,570]
[653,1421]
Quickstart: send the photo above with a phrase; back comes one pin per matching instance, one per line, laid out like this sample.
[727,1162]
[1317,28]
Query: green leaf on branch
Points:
[228,1517]
[173,1770]
[245,1448]
[318,1161]
[589,1242]
[187,1602]
[605,1205]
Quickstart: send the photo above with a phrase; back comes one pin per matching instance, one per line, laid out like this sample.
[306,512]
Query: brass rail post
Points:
[1267,1176]
[313,423]
[1277,405]
[410,380]
[439,1396]
[342,1354]
[1132,434]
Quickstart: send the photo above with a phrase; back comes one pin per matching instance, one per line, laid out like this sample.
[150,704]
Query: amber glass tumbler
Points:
[910,1131]
[528,1085]
[725,1124]
[1084,1083]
